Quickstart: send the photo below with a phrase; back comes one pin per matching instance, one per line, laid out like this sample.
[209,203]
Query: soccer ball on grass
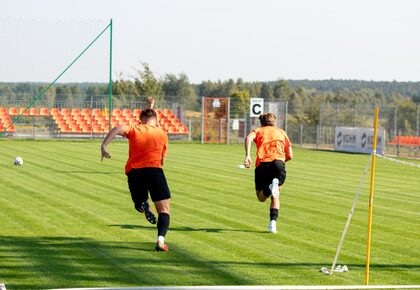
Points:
[18,161]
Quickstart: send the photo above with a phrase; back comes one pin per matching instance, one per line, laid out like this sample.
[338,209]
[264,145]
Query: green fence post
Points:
[110,76]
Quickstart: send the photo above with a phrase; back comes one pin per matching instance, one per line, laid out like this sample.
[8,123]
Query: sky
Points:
[256,40]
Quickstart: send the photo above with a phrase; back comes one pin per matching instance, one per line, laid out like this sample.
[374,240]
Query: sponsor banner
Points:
[358,140]
[256,107]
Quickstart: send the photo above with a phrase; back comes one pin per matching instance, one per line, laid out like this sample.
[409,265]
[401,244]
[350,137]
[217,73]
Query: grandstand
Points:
[79,122]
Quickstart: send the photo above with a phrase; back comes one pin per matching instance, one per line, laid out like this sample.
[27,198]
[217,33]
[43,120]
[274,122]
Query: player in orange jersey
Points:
[147,151]
[273,150]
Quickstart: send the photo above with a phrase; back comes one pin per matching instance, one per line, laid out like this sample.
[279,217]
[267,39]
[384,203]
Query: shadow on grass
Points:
[187,229]
[88,172]
[64,262]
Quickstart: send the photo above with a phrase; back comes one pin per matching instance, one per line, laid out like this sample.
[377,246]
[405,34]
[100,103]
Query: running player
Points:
[273,150]
[147,152]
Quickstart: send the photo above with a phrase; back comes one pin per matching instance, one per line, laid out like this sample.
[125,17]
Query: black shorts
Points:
[144,180]
[266,171]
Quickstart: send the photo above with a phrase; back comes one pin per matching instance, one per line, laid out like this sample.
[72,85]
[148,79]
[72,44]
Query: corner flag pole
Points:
[372,184]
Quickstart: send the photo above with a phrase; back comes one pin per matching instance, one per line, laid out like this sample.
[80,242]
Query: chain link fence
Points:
[315,126]
[308,126]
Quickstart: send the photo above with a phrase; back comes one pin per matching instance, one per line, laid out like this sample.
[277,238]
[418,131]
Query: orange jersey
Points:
[147,146]
[272,144]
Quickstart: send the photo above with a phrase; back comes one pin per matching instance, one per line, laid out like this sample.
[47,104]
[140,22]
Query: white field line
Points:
[340,287]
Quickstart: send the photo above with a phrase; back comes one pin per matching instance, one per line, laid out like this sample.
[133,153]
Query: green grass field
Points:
[67,220]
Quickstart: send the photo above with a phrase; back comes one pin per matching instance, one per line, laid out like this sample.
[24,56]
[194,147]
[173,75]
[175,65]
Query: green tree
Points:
[239,103]
[124,88]
[49,95]
[281,90]
[267,92]
[63,94]
[147,84]
[178,89]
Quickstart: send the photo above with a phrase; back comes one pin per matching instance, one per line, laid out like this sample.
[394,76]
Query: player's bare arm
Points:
[118,130]
[248,141]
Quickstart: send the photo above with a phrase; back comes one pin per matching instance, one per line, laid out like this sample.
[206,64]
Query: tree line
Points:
[303,96]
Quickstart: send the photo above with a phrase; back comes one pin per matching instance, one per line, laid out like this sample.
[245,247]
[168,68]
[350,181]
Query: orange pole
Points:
[372,184]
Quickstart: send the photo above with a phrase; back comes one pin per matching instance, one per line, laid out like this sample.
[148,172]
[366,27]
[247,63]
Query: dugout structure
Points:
[215,120]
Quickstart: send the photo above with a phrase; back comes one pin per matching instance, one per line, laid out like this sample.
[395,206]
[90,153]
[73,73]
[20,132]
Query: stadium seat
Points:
[44,112]
[23,112]
[13,111]
[167,112]
[96,112]
[34,112]
[172,130]
[75,111]
[85,111]
[54,111]
[65,111]
[127,112]
[406,141]
[85,129]
[136,113]
[11,129]
[183,130]
[117,112]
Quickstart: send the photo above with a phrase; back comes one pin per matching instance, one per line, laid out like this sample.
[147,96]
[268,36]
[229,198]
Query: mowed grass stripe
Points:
[218,226]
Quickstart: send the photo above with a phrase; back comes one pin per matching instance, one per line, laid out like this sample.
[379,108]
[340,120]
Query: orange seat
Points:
[64,128]
[54,111]
[96,112]
[136,113]
[172,130]
[13,111]
[11,129]
[65,111]
[85,111]
[86,129]
[167,112]
[183,129]
[75,111]
[23,112]
[126,112]
[33,112]
[117,112]
[44,112]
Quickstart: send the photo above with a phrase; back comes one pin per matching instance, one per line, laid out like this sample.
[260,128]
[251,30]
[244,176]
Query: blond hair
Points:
[268,119]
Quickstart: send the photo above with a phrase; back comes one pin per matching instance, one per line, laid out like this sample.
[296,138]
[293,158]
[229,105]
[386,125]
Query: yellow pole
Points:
[372,184]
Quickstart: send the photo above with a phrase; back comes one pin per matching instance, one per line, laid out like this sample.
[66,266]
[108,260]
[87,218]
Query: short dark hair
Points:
[268,119]
[146,114]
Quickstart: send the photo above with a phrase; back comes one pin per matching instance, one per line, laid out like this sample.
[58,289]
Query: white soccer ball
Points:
[18,161]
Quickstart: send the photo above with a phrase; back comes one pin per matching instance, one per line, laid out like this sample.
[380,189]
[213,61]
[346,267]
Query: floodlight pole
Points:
[203,99]
[110,77]
[372,184]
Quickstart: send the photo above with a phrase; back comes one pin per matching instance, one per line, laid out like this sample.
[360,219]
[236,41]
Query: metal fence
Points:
[308,126]
[315,126]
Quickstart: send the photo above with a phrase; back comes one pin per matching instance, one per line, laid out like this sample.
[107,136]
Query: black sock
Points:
[274,213]
[163,224]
